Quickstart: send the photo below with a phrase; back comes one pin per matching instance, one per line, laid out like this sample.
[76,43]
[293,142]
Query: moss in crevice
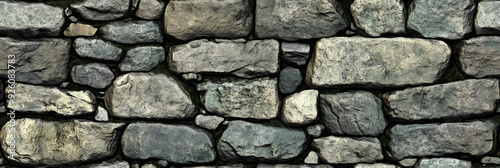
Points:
[346,5]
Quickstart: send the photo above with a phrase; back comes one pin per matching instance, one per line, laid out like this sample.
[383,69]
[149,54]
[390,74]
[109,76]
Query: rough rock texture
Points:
[467,138]
[132,32]
[150,96]
[142,58]
[443,162]
[318,18]
[40,142]
[209,122]
[356,113]
[79,29]
[244,98]
[376,165]
[97,49]
[96,75]
[300,109]
[408,162]
[173,143]
[490,160]
[296,54]
[41,61]
[292,166]
[311,158]
[150,9]
[479,56]
[488,18]
[98,10]
[446,19]
[104,164]
[378,17]
[289,80]
[243,59]
[345,150]
[101,114]
[315,130]
[366,62]
[191,19]
[246,142]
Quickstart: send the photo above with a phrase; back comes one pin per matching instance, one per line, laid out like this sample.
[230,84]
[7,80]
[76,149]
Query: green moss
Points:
[495,119]
[453,73]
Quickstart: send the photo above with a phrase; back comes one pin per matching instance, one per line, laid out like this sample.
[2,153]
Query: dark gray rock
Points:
[296,54]
[97,10]
[315,130]
[479,56]
[345,150]
[97,49]
[443,162]
[487,19]
[300,108]
[289,80]
[150,9]
[132,32]
[142,58]
[378,17]
[96,75]
[292,166]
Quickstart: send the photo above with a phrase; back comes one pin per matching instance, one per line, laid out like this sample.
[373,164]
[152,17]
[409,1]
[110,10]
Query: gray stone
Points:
[488,160]
[249,142]
[345,150]
[296,20]
[300,109]
[101,114]
[450,19]
[40,143]
[479,56]
[315,130]
[355,113]
[148,166]
[467,138]
[68,11]
[295,54]
[173,143]
[142,58]
[149,96]
[135,4]
[208,121]
[64,85]
[443,162]
[97,49]
[378,17]
[366,62]
[292,166]
[191,19]
[192,77]
[408,162]
[311,158]
[79,29]
[132,32]
[243,98]
[375,165]
[488,17]
[41,61]
[465,98]
[243,59]
[96,75]
[135,165]
[150,9]
[163,163]
[73,19]
[117,164]
[289,80]
[97,10]
[30,19]
[40,99]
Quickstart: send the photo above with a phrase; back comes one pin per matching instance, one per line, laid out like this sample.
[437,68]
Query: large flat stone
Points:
[479,56]
[97,49]
[132,32]
[345,150]
[98,10]
[487,20]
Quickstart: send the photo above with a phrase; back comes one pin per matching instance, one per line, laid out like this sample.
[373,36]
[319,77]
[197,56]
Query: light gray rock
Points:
[408,162]
[379,17]
[191,19]
[443,162]
[79,29]
[173,143]
[209,122]
[162,163]
[479,56]
[192,77]
[366,62]
[150,9]
[345,150]
[53,143]
[149,96]
[449,19]
[97,10]
[42,100]
[243,98]
[488,160]
[292,166]
[311,158]
[104,164]
[296,54]
[97,49]
[315,130]
[132,32]
[487,20]
[296,20]
[249,142]
[353,113]
[375,165]
[30,19]
[289,80]
[467,138]
[68,12]
[142,58]
[96,75]
[149,165]
[300,109]
[73,19]
[101,114]
[243,59]
[41,61]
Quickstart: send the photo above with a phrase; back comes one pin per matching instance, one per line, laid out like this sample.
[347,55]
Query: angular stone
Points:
[375,165]
[408,162]
[289,80]
[41,143]
[142,58]
[173,143]
[191,19]
[192,77]
[355,113]
[104,164]
[97,49]
[150,9]
[451,19]
[479,56]
[488,160]
[292,166]
[30,19]
[300,109]
[315,130]
[443,162]
[79,29]
[295,54]
[244,98]
[132,32]
[41,61]
[243,59]
[97,10]
[162,163]
[457,99]
[102,114]
[40,99]
[345,150]
[379,17]
[467,138]
[366,62]
[96,75]
[208,122]
[249,142]
[312,158]
[488,17]
[148,166]
[296,20]
[149,96]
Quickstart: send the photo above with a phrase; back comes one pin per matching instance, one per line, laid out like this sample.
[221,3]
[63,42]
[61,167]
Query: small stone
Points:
[208,122]
[192,77]
[67,11]
[408,162]
[443,162]
[97,49]
[289,80]
[97,10]
[315,131]
[487,20]
[300,109]
[292,166]
[479,56]
[488,160]
[64,85]
[102,114]
[142,58]
[96,75]
[135,165]
[148,166]
[78,29]
[350,33]
[73,19]
[117,164]
[163,163]
[132,32]
[379,17]
[149,9]
[312,158]
[296,54]
[375,165]
[346,150]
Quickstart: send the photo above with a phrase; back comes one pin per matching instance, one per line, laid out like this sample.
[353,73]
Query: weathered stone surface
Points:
[443,162]
[244,98]
[97,49]
[488,160]
[315,130]
[39,142]
[191,19]
[375,165]
[209,122]
[96,75]
[296,54]
[104,164]
[97,10]
[243,59]
[142,58]
[79,29]
[345,150]
[41,61]
[457,99]
[311,158]
[408,162]
[150,9]
[488,17]
[450,19]
[289,80]
[292,166]
[40,99]
[30,19]
[148,95]
[132,32]
[101,114]
[300,109]
[366,62]
[247,142]
[467,138]
[357,113]
[173,143]
[295,20]
[378,17]
[479,56]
